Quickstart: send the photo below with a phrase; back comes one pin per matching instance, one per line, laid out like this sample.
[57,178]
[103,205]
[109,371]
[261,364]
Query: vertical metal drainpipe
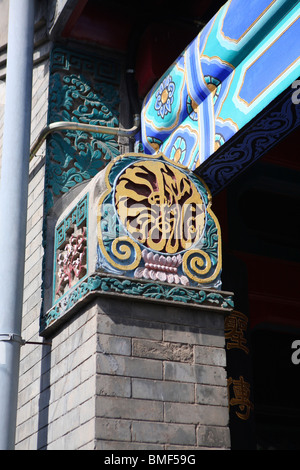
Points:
[13,207]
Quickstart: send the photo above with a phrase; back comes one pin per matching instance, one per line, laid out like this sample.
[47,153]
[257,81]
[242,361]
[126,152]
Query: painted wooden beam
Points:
[220,88]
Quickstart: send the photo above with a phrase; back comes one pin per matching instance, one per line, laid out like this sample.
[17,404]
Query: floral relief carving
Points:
[105,284]
[70,250]
[71,262]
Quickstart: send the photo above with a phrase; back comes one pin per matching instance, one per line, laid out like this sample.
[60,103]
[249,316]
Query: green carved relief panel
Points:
[83,89]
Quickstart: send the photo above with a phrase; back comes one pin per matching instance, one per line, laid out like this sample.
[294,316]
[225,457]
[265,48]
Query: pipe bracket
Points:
[12,337]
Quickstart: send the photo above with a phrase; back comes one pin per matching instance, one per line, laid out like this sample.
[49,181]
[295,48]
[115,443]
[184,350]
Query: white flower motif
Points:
[164,97]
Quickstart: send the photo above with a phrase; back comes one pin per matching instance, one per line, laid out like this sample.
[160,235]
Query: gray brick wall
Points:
[113,380]
[57,392]
[161,378]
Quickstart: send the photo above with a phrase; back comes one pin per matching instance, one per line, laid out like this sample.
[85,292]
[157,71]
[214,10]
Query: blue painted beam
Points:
[240,63]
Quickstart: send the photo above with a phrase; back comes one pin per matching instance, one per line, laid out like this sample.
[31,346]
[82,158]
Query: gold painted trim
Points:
[230,120]
[219,263]
[135,263]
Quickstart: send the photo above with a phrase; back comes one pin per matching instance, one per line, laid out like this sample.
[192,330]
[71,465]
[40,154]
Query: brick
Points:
[34,272]
[32,355]
[190,335]
[80,394]
[128,366]
[113,386]
[35,231]
[172,314]
[32,287]
[25,413]
[35,210]
[196,414]
[211,395]
[190,457]
[113,429]
[86,410]
[29,392]
[209,355]
[79,436]
[35,219]
[162,350]
[89,446]
[129,408]
[194,373]
[115,325]
[145,312]
[26,429]
[130,446]
[68,425]
[163,433]
[213,436]
[35,257]
[113,345]
[65,383]
[75,351]
[29,377]
[55,445]
[86,317]
[36,187]
[164,391]
[34,300]
[54,411]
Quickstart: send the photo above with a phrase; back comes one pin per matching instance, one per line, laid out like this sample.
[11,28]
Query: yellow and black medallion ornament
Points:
[155,222]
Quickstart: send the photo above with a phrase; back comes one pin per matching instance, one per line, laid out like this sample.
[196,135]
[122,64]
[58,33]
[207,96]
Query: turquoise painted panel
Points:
[82,89]
[134,289]
[219,82]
